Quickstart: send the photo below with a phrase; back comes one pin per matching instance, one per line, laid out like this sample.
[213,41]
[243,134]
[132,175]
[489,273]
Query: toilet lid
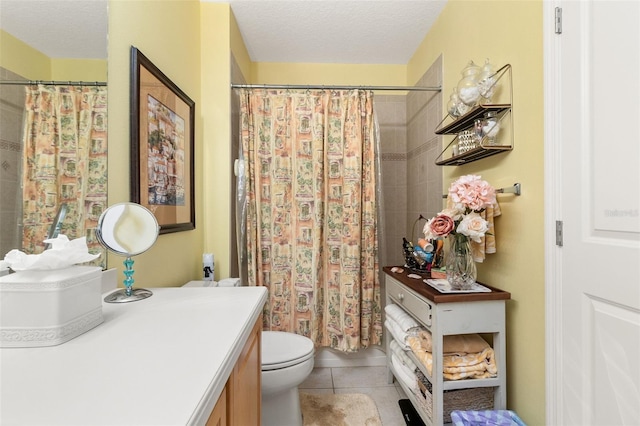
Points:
[281,349]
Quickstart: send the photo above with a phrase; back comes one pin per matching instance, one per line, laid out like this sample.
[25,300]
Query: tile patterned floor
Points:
[368,380]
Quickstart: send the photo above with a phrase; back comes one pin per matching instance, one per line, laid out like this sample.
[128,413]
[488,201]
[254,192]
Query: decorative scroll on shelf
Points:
[515,189]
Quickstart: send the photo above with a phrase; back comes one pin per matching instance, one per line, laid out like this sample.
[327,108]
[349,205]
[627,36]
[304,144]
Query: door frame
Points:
[552,212]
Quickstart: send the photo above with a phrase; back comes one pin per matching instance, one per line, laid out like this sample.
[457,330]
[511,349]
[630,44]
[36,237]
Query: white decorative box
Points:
[47,308]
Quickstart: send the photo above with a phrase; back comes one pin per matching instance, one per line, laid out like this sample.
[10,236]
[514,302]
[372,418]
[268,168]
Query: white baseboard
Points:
[331,358]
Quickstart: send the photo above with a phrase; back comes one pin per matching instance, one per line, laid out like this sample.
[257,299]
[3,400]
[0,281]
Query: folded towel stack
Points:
[397,333]
[400,324]
[404,368]
[403,319]
[454,344]
[465,356]
[402,356]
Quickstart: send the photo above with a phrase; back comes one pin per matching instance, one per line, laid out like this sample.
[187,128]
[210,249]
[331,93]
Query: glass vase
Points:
[452,105]
[487,82]
[490,127]
[461,269]
[468,90]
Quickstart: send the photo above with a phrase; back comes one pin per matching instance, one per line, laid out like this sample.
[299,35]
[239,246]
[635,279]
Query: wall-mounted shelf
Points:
[453,126]
[466,121]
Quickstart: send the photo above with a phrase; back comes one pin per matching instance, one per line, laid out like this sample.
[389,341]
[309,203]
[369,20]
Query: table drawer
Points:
[410,301]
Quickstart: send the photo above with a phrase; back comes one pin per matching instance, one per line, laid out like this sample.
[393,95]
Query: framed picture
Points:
[162,146]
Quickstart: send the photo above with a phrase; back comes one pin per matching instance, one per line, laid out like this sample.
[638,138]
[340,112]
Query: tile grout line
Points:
[333,385]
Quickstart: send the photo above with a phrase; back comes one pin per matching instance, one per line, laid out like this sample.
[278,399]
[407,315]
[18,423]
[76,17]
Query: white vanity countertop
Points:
[160,361]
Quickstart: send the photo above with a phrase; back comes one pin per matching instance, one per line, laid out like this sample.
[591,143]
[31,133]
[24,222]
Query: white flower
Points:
[473,226]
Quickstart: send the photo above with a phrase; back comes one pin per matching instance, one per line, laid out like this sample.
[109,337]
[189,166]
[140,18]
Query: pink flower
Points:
[469,195]
[439,226]
[471,192]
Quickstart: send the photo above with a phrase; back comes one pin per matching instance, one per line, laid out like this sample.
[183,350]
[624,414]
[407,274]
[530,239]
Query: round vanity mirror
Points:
[127,229]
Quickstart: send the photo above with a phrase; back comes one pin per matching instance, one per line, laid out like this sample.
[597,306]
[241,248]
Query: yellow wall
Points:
[239,50]
[348,74]
[216,20]
[79,69]
[506,32]
[171,40]
[24,60]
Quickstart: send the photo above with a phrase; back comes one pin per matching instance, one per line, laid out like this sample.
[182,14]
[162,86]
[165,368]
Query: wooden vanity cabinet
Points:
[244,385]
[218,416]
[240,401]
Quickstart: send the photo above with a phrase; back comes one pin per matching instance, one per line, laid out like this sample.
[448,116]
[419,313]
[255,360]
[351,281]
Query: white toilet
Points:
[287,360]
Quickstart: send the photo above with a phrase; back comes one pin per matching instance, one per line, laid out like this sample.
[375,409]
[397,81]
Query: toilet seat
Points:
[281,349]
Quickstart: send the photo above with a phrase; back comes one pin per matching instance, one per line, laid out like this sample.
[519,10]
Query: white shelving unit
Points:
[449,314]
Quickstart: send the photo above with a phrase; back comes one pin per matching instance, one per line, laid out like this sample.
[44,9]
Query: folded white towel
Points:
[402,355]
[403,319]
[406,376]
[397,334]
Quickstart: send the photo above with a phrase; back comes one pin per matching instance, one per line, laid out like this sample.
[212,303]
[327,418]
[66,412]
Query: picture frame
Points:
[162,146]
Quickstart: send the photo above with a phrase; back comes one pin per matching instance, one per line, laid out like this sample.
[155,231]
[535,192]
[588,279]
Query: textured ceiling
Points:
[334,31]
[58,28]
[314,31]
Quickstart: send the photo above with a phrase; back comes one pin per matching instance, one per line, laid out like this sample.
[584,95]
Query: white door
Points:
[592,144]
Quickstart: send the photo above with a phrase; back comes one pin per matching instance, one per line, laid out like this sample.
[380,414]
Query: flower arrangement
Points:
[469,196]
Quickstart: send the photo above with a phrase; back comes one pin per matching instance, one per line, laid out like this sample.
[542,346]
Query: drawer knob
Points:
[401,296]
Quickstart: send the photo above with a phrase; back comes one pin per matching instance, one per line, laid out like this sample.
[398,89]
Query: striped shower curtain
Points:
[309,159]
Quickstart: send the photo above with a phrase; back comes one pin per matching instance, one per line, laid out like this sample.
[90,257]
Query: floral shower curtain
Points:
[65,161]
[311,219]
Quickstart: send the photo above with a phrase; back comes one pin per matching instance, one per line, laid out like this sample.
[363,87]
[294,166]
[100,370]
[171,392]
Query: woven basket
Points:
[474,399]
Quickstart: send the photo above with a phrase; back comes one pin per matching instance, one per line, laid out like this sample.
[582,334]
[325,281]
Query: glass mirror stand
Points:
[127,229]
[128,293]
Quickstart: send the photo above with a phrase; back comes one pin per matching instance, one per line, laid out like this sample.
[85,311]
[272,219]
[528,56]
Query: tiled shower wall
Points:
[11,119]
[412,183]
[424,180]
[392,120]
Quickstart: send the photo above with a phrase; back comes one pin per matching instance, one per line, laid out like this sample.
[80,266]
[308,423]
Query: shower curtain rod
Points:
[338,87]
[53,83]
